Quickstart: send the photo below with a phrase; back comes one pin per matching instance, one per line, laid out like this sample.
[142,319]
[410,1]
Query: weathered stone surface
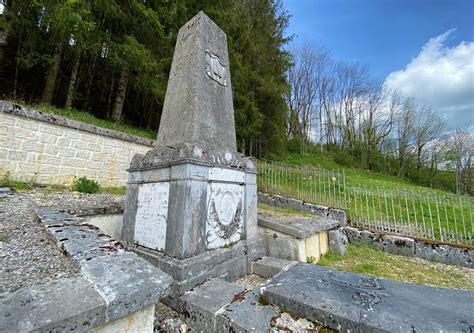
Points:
[267,267]
[225,263]
[202,305]
[71,304]
[4,191]
[338,242]
[139,321]
[282,246]
[445,254]
[246,314]
[299,227]
[79,240]
[399,245]
[127,282]
[347,301]
[199,89]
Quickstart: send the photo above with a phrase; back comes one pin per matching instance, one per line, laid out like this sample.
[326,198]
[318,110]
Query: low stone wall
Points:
[115,291]
[410,247]
[49,149]
[318,210]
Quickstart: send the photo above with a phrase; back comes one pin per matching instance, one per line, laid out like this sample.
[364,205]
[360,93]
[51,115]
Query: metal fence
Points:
[429,214]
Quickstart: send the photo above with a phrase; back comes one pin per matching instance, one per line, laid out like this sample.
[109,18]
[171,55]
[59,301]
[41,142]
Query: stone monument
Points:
[192,200]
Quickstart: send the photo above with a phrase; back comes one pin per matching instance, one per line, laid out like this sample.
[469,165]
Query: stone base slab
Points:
[359,303]
[226,263]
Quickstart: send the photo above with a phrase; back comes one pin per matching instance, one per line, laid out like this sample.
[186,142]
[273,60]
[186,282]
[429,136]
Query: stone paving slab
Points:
[299,227]
[201,305]
[246,314]
[71,304]
[347,301]
[127,282]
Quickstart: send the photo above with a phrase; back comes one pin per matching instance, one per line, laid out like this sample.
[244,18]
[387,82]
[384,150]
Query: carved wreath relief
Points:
[224,220]
[215,69]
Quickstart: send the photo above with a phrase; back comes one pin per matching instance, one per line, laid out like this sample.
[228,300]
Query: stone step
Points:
[268,267]
[220,306]
[202,304]
[347,301]
[298,238]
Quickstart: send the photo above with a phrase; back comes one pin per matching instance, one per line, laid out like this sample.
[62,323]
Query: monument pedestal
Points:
[193,213]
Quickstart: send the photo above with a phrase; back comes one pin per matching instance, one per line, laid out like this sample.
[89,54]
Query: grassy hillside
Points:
[356,176]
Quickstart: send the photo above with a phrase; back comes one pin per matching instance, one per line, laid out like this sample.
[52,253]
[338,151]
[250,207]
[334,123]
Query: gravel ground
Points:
[250,281]
[27,254]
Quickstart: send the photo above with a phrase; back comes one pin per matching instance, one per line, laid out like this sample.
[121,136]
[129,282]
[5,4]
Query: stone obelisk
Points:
[193,195]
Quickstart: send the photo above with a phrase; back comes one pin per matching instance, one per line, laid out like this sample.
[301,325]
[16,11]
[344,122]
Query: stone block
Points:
[71,304]
[299,227]
[139,321]
[203,304]
[83,154]
[267,267]
[3,153]
[74,163]
[127,282]
[323,242]
[49,160]
[48,138]
[29,146]
[51,129]
[80,145]
[279,245]
[94,147]
[89,138]
[17,155]
[66,152]
[312,248]
[246,314]
[51,149]
[351,302]
[64,142]
[338,242]
[399,245]
[445,254]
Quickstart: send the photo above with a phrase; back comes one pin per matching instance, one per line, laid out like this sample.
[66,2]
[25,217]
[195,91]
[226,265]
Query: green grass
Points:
[280,212]
[119,190]
[6,180]
[3,236]
[357,177]
[90,119]
[369,197]
[363,259]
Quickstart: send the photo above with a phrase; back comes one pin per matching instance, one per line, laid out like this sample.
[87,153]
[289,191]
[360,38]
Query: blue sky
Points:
[424,48]
[385,34]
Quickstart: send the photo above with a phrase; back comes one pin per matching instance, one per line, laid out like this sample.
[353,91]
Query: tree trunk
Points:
[72,84]
[120,96]
[51,76]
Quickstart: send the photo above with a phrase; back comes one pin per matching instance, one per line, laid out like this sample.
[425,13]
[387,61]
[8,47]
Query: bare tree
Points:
[427,127]
[304,78]
[461,151]
[377,119]
[404,133]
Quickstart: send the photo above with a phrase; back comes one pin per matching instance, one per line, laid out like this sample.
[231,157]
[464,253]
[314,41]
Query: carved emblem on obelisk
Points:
[215,69]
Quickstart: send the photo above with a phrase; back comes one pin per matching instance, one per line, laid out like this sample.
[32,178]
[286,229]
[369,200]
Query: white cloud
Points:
[441,77]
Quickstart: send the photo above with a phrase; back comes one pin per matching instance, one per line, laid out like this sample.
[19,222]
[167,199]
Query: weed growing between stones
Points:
[86,185]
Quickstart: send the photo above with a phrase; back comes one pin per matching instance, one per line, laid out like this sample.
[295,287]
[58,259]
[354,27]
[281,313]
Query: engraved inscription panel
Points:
[152,213]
